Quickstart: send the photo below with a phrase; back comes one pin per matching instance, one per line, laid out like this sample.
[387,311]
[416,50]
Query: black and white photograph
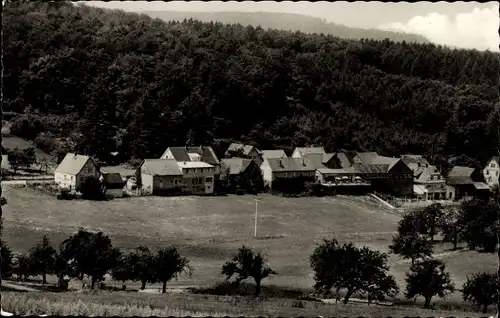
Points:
[228,159]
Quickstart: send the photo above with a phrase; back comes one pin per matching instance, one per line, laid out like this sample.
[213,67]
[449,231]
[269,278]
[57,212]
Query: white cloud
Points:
[473,30]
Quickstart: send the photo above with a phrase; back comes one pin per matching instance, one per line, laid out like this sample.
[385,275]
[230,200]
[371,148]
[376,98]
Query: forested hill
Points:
[112,80]
[288,22]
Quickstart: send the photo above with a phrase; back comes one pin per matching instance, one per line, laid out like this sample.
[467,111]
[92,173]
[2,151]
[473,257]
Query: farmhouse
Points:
[300,152]
[386,174]
[243,151]
[161,176]
[491,172]
[430,184]
[281,172]
[278,153]
[198,177]
[193,154]
[241,173]
[464,183]
[124,173]
[416,163]
[74,170]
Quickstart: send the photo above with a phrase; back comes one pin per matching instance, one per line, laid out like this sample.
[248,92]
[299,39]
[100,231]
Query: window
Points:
[487,172]
[176,181]
[497,174]
[492,165]
[209,180]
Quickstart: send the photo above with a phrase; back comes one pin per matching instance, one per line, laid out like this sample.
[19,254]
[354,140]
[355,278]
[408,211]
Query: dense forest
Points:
[287,22]
[96,81]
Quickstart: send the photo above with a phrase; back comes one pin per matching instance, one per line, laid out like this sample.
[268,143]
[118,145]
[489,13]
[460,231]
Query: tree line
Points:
[94,81]
[340,270]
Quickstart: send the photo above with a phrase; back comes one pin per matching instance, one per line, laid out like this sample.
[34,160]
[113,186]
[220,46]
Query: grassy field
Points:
[208,230]
[137,304]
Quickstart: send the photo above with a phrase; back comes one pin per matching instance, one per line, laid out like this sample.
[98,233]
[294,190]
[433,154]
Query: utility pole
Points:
[256,217]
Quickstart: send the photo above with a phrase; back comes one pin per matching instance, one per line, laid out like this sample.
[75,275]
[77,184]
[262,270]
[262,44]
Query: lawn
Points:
[138,304]
[208,230]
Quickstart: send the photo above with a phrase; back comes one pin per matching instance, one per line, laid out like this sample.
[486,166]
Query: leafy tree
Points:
[411,241]
[142,262]
[92,189]
[246,264]
[15,158]
[73,251]
[28,157]
[358,270]
[22,266]
[123,271]
[432,215]
[42,258]
[451,227]
[478,219]
[169,264]
[482,289]
[428,279]
[6,260]
[101,257]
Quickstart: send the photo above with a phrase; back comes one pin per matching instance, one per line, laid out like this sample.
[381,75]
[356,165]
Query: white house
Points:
[491,172]
[74,170]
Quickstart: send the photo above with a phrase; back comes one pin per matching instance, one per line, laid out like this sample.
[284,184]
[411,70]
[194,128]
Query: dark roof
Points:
[206,153]
[427,173]
[124,172]
[162,167]
[246,149]
[345,162]
[289,164]
[112,178]
[367,157]
[481,186]
[72,164]
[364,168]
[236,165]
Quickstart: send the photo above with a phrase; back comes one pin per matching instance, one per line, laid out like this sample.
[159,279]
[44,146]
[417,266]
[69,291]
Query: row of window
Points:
[199,170]
[293,174]
[488,173]
[194,181]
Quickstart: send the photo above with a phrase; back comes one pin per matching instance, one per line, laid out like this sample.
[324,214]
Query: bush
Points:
[46,142]
[26,127]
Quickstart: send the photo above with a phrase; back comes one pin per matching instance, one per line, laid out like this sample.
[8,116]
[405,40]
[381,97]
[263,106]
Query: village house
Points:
[243,151]
[241,173]
[491,172]
[74,170]
[193,154]
[300,152]
[465,183]
[167,176]
[161,177]
[430,184]
[386,174]
[277,172]
[416,163]
[277,153]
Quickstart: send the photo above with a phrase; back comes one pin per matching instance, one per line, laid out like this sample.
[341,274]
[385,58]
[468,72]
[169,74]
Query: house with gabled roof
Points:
[274,153]
[416,163]
[286,170]
[430,184]
[237,150]
[465,182]
[74,170]
[491,172]
[241,174]
[300,152]
[169,176]
[193,154]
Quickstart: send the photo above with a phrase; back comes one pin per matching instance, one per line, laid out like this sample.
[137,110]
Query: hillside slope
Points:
[288,22]
[110,80]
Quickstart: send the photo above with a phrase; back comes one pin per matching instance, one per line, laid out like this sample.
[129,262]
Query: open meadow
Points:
[208,230]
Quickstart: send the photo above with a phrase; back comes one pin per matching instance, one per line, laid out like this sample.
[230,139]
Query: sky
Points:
[469,25]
